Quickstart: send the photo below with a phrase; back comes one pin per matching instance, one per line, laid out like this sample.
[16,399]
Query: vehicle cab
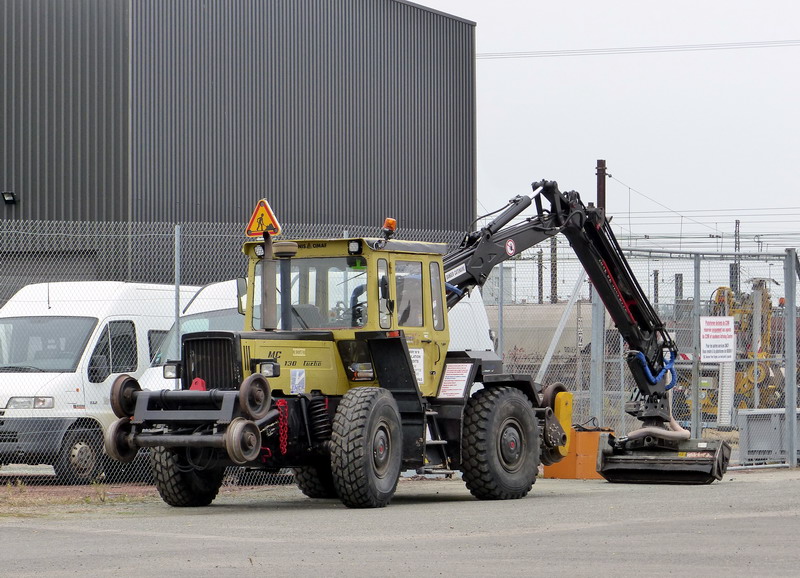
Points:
[345,291]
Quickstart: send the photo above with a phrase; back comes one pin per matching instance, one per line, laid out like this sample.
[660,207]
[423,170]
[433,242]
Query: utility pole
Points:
[598,348]
[601,184]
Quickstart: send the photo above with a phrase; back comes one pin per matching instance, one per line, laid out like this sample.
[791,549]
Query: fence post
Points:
[790,354]
[176,354]
[500,300]
[597,372]
[696,427]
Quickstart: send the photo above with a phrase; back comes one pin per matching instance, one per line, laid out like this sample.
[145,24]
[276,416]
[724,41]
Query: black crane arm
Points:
[652,351]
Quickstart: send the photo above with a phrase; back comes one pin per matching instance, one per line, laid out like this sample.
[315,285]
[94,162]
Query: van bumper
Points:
[31,440]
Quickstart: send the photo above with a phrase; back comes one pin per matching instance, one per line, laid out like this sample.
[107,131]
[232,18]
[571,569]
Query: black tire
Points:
[500,444]
[181,485]
[81,459]
[316,481]
[366,448]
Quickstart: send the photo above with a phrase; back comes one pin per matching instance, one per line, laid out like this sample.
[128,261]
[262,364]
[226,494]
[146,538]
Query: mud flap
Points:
[692,461]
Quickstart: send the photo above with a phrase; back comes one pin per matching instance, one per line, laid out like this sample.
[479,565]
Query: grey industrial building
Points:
[189,111]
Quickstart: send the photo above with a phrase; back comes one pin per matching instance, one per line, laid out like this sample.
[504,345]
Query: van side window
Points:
[408,280]
[115,351]
[155,337]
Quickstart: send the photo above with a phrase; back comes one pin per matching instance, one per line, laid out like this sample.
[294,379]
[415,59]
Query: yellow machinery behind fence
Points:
[758,380]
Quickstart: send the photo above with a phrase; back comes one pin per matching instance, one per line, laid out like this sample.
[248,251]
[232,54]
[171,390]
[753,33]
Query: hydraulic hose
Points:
[669,366]
[676,432]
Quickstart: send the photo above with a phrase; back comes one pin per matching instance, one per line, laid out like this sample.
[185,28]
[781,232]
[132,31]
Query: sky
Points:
[694,138]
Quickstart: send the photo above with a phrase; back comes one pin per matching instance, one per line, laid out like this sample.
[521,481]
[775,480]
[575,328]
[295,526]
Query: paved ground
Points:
[747,524]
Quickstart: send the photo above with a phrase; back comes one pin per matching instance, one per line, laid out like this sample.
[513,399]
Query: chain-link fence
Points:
[540,306]
[547,319]
[109,293]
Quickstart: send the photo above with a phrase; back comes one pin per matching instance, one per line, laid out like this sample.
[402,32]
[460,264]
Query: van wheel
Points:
[81,457]
[500,444]
[181,484]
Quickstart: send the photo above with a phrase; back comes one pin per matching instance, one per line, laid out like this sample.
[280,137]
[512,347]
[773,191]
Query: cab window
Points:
[384,313]
[437,307]
[408,288]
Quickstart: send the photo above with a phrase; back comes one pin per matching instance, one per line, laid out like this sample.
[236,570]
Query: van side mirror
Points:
[99,369]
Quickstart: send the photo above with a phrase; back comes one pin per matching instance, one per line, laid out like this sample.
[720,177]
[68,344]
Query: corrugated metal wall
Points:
[63,109]
[337,111]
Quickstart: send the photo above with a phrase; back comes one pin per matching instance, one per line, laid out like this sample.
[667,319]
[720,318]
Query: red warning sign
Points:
[263,220]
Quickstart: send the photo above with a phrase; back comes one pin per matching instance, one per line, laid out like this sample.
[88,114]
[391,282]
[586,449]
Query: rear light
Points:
[362,372]
[356,360]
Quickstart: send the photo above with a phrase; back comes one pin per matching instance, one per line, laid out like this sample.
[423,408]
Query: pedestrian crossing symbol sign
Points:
[263,221]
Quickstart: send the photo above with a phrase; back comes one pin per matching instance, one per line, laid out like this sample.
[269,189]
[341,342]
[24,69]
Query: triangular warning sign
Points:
[263,220]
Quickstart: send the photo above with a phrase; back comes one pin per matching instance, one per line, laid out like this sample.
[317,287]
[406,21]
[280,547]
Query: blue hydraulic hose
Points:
[668,367]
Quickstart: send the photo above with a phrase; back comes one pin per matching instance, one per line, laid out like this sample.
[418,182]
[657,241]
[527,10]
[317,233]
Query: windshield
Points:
[52,344]
[327,293]
[221,320]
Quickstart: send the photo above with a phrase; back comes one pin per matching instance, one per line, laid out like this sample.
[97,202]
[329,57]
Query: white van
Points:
[215,307]
[469,325]
[62,345]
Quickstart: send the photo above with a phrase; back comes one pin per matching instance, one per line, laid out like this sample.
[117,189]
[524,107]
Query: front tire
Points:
[366,448]
[500,444]
[182,485]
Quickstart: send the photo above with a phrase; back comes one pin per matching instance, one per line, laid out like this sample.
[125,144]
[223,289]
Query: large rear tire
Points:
[500,444]
[316,481]
[180,484]
[366,448]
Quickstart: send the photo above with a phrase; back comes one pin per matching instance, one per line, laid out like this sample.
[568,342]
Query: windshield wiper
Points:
[20,368]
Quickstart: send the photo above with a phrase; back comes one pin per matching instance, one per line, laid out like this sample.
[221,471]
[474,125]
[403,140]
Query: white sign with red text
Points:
[717,339]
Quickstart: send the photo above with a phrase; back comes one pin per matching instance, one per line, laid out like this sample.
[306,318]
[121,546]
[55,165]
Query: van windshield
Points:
[220,320]
[47,344]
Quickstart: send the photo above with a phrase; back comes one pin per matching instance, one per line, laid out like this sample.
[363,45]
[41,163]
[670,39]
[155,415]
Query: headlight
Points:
[171,370]
[30,403]
[269,369]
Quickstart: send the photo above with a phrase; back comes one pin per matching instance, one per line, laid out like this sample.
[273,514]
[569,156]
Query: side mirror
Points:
[99,369]
[241,294]
[384,288]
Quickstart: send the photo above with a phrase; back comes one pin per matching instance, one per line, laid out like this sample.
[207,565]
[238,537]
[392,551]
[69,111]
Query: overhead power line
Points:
[640,193]
[637,49]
